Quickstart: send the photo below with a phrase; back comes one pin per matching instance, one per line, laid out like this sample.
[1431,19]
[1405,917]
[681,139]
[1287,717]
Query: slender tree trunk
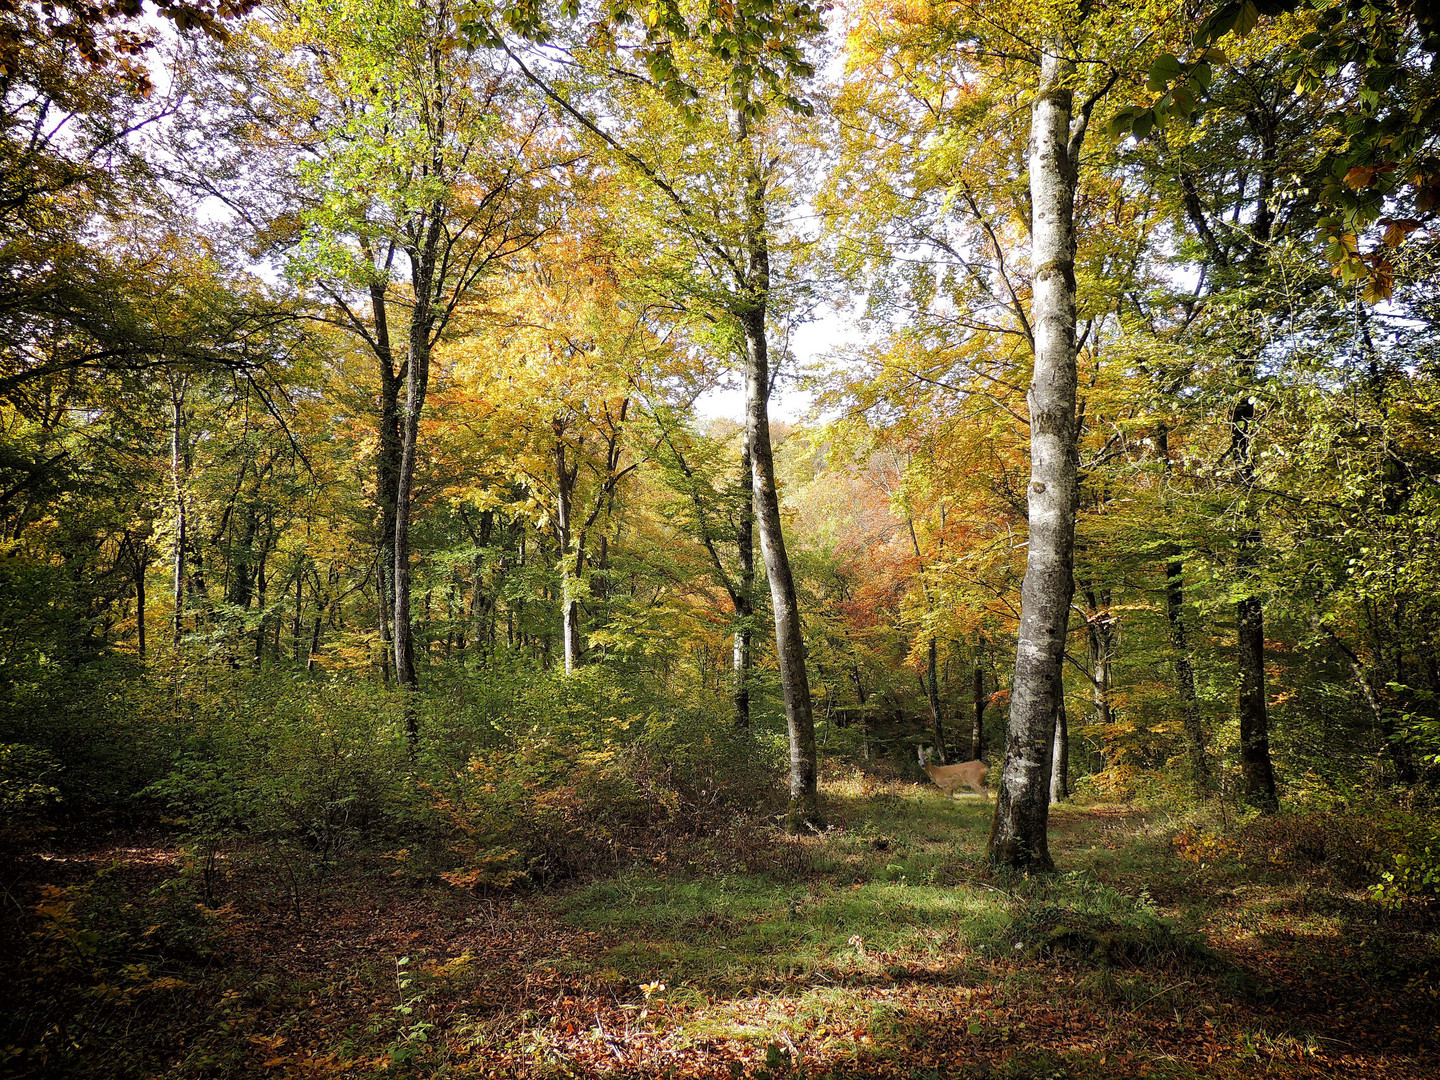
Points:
[177,420]
[1257,774]
[977,730]
[932,696]
[417,383]
[1018,839]
[1185,675]
[1060,755]
[751,312]
[314,639]
[1100,637]
[744,598]
[569,561]
[262,586]
[789,638]
[299,611]
[142,561]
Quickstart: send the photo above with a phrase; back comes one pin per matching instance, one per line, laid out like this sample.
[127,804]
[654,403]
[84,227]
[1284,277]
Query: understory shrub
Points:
[592,770]
[316,765]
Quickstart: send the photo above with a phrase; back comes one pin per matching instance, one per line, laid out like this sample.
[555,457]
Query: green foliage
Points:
[315,765]
[1410,871]
[27,780]
[582,773]
[95,734]
[103,975]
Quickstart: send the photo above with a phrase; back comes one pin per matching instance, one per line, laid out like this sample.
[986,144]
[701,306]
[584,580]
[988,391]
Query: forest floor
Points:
[880,948]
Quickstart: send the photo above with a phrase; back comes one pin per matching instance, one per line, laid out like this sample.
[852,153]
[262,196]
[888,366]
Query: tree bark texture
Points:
[1195,738]
[565,475]
[977,730]
[417,382]
[1257,774]
[1060,765]
[751,311]
[744,597]
[1018,839]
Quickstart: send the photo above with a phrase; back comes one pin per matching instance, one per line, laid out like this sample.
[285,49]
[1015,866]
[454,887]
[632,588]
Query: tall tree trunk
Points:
[1100,637]
[387,470]
[929,682]
[1185,675]
[142,562]
[750,309]
[1018,839]
[1060,758]
[569,561]
[745,595]
[417,383]
[299,612]
[1257,774]
[177,590]
[789,639]
[977,729]
[932,696]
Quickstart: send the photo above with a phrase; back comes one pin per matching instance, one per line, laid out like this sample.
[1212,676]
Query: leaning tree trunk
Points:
[789,640]
[1018,837]
[744,598]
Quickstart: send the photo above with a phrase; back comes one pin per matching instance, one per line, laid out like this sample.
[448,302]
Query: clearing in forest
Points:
[880,948]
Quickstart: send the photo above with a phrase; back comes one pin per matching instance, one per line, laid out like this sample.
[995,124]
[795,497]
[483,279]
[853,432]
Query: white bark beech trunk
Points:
[1018,838]
[569,561]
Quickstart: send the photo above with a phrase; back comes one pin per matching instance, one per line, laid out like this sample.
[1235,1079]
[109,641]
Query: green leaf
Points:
[1165,69]
[1246,18]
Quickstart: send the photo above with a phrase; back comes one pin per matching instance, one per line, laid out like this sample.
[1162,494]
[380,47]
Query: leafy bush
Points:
[1410,870]
[313,764]
[28,778]
[92,737]
[591,770]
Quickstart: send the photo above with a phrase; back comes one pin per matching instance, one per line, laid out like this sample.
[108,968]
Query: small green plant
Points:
[1413,873]
[414,1031]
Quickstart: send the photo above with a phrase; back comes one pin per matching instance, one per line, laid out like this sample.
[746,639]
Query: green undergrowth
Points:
[897,885]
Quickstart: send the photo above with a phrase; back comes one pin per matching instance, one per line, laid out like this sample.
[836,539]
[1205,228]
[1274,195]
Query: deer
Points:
[948,777]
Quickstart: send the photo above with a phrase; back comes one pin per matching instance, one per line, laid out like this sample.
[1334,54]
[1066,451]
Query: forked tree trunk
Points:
[1018,839]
